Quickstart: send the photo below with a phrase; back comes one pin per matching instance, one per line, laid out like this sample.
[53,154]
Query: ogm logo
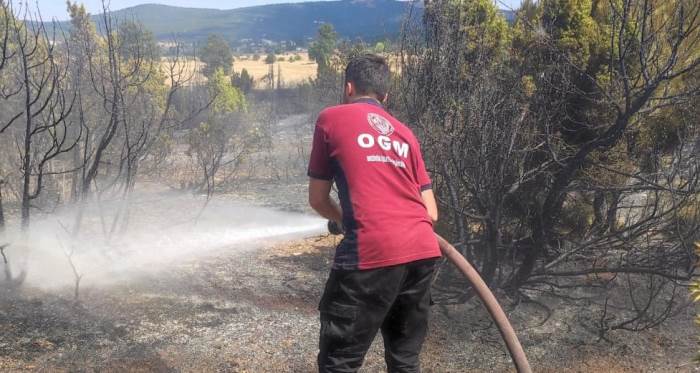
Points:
[380,124]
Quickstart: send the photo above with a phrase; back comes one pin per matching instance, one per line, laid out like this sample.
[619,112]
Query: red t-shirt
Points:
[378,168]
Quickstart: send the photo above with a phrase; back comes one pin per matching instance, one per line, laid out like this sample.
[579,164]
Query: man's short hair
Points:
[370,74]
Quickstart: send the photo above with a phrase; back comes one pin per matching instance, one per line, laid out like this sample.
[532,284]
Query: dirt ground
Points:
[255,311]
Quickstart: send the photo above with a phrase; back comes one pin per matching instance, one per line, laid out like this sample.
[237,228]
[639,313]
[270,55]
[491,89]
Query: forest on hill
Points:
[297,22]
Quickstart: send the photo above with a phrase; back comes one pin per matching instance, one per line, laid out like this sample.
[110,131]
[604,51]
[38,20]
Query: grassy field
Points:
[293,73]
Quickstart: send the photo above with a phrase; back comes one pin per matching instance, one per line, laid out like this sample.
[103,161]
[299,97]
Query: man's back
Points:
[385,263]
[379,171]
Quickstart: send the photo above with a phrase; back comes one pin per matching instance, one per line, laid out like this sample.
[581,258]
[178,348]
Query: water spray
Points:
[2,252]
[10,282]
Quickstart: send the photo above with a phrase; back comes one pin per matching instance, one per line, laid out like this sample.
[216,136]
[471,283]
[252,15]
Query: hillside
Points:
[352,19]
[294,22]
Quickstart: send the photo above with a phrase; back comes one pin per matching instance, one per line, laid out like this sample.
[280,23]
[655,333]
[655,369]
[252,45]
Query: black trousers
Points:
[356,304]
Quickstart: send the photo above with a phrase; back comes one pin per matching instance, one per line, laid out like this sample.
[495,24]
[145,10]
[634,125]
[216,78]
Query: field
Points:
[293,73]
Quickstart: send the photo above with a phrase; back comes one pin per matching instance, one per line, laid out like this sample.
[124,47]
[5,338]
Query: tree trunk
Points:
[75,176]
[599,212]
[27,159]
[612,211]
[493,240]
[26,170]
[462,235]
[2,211]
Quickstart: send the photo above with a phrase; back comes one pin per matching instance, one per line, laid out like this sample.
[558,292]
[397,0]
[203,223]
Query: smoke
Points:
[121,238]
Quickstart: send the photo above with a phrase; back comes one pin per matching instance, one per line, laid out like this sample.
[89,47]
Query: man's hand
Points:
[320,200]
[335,228]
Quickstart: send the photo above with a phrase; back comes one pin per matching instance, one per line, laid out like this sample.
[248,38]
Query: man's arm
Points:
[430,204]
[320,200]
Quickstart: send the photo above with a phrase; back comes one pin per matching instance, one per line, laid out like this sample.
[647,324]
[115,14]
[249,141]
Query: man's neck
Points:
[366,98]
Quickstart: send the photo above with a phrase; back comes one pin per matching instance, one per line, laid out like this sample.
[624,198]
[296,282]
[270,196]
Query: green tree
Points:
[572,25]
[227,98]
[243,81]
[321,50]
[82,31]
[221,135]
[270,58]
[217,54]
[484,25]
[136,42]
[380,47]
[575,83]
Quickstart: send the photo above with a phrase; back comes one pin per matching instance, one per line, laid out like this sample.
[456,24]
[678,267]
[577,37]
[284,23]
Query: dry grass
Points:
[187,70]
[293,73]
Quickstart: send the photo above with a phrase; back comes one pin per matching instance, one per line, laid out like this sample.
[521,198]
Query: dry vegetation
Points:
[293,73]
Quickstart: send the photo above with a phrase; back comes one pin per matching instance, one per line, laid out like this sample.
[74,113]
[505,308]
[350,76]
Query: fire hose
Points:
[482,290]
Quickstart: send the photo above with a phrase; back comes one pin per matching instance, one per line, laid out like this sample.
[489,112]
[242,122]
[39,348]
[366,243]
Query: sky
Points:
[51,9]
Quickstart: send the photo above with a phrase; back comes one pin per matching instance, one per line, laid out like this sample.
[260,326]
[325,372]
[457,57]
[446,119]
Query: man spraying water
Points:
[381,274]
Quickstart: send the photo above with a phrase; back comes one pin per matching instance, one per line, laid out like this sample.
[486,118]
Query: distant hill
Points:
[367,19]
[298,22]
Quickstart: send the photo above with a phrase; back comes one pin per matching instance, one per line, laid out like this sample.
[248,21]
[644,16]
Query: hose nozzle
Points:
[335,228]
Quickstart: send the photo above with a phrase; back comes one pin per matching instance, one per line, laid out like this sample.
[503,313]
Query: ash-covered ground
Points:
[234,288]
[255,311]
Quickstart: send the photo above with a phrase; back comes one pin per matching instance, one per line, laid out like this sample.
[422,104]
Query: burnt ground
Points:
[255,311]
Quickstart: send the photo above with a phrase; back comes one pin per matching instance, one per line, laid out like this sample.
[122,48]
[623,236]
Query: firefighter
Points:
[382,270]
